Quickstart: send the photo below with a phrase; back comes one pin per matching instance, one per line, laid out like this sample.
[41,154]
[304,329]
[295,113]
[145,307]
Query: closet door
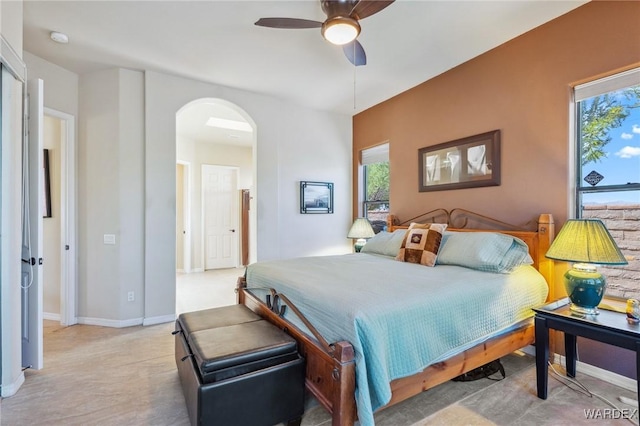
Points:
[12,112]
[32,297]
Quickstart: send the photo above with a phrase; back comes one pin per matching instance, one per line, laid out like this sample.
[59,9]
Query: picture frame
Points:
[46,187]
[469,162]
[316,197]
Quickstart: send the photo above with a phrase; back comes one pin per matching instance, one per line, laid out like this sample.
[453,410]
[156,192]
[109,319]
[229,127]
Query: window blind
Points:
[376,154]
[607,84]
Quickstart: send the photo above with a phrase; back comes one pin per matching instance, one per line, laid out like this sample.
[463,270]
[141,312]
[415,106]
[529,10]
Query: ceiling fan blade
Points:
[288,23]
[355,53]
[366,8]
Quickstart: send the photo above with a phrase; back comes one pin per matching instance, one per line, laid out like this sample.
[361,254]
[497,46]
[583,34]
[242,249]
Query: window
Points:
[375,172]
[608,169]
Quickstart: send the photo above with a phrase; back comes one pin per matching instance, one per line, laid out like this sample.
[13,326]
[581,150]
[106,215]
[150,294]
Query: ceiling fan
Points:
[341,26]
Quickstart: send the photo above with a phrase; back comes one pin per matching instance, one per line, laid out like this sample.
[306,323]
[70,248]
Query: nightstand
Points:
[607,327]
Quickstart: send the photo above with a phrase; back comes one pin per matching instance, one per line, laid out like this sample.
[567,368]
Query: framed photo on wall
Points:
[46,187]
[316,197]
[469,162]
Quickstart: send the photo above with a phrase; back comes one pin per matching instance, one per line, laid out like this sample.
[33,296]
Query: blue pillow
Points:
[385,243]
[484,251]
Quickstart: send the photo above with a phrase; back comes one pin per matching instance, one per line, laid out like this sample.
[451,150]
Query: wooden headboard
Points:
[537,240]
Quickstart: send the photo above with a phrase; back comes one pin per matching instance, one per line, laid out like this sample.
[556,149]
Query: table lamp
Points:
[360,230]
[585,242]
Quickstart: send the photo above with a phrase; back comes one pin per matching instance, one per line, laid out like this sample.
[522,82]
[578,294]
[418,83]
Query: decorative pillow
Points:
[421,243]
[385,243]
[484,251]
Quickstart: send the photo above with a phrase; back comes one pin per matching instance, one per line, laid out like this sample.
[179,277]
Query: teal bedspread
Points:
[399,317]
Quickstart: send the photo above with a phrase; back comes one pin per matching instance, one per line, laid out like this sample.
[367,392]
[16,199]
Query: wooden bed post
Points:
[546,233]
[392,220]
[344,404]
[330,373]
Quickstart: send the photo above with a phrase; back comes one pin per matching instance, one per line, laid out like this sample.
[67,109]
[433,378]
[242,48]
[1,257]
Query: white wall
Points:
[312,149]
[11,23]
[111,197]
[293,144]
[60,85]
[126,182]
[131,194]
[199,153]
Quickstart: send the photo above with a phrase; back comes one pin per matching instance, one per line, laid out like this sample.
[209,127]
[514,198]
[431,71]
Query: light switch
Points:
[109,239]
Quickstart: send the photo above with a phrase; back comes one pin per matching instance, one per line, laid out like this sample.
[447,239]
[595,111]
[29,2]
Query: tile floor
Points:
[209,289]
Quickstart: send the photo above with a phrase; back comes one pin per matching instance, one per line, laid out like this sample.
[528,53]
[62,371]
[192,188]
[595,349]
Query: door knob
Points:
[232,230]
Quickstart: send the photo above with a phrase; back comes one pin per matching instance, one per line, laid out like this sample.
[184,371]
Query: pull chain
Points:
[354,76]
[354,87]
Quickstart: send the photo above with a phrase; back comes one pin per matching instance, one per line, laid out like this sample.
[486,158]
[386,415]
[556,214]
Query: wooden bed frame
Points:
[330,374]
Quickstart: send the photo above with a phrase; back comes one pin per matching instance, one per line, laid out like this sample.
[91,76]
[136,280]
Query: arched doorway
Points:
[215,169]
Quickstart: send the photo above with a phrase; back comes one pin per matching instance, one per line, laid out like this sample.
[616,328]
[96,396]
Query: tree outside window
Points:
[376,204]
[608,172]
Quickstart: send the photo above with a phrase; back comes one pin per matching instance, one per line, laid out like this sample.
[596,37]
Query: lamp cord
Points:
[568,382]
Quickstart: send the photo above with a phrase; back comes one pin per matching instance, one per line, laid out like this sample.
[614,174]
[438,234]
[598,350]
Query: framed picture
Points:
[316,197]
[464,163]
[46,187]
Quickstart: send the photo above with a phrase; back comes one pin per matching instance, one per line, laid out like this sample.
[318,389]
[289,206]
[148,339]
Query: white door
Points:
[180,229]
[183,216]
[67,218]
[32,352]
[220,216]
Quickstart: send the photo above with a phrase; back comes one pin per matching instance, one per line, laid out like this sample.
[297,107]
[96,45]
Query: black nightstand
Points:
[607,327]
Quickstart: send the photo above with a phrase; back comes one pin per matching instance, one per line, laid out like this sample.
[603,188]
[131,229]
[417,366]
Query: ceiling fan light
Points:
[340,30]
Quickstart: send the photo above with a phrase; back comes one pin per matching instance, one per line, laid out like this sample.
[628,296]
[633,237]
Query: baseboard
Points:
[50,316]
[109,322]
[11,389]
[190,271]
[126,323]
[159,320]
[602,374]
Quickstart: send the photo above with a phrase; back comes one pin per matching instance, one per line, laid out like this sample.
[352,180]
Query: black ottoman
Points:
[215,317]
[237,369]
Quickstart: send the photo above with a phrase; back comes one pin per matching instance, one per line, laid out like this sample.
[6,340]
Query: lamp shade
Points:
[586,241]
[361,228]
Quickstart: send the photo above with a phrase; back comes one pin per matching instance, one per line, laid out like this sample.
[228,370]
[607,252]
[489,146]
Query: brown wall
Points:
[523,88]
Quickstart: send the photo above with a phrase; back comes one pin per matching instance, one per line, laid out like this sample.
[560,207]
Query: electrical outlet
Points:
[130,297]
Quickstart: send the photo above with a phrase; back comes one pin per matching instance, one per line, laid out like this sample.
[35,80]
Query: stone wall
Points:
[623,222]
[378,219]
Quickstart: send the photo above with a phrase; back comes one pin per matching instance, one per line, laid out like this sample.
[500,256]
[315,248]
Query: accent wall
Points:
[522,88]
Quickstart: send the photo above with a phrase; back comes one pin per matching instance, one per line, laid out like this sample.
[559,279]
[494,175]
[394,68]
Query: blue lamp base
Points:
[360,242]
[585,287]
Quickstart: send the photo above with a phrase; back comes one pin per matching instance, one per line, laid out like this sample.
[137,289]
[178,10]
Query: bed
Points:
[370,345]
